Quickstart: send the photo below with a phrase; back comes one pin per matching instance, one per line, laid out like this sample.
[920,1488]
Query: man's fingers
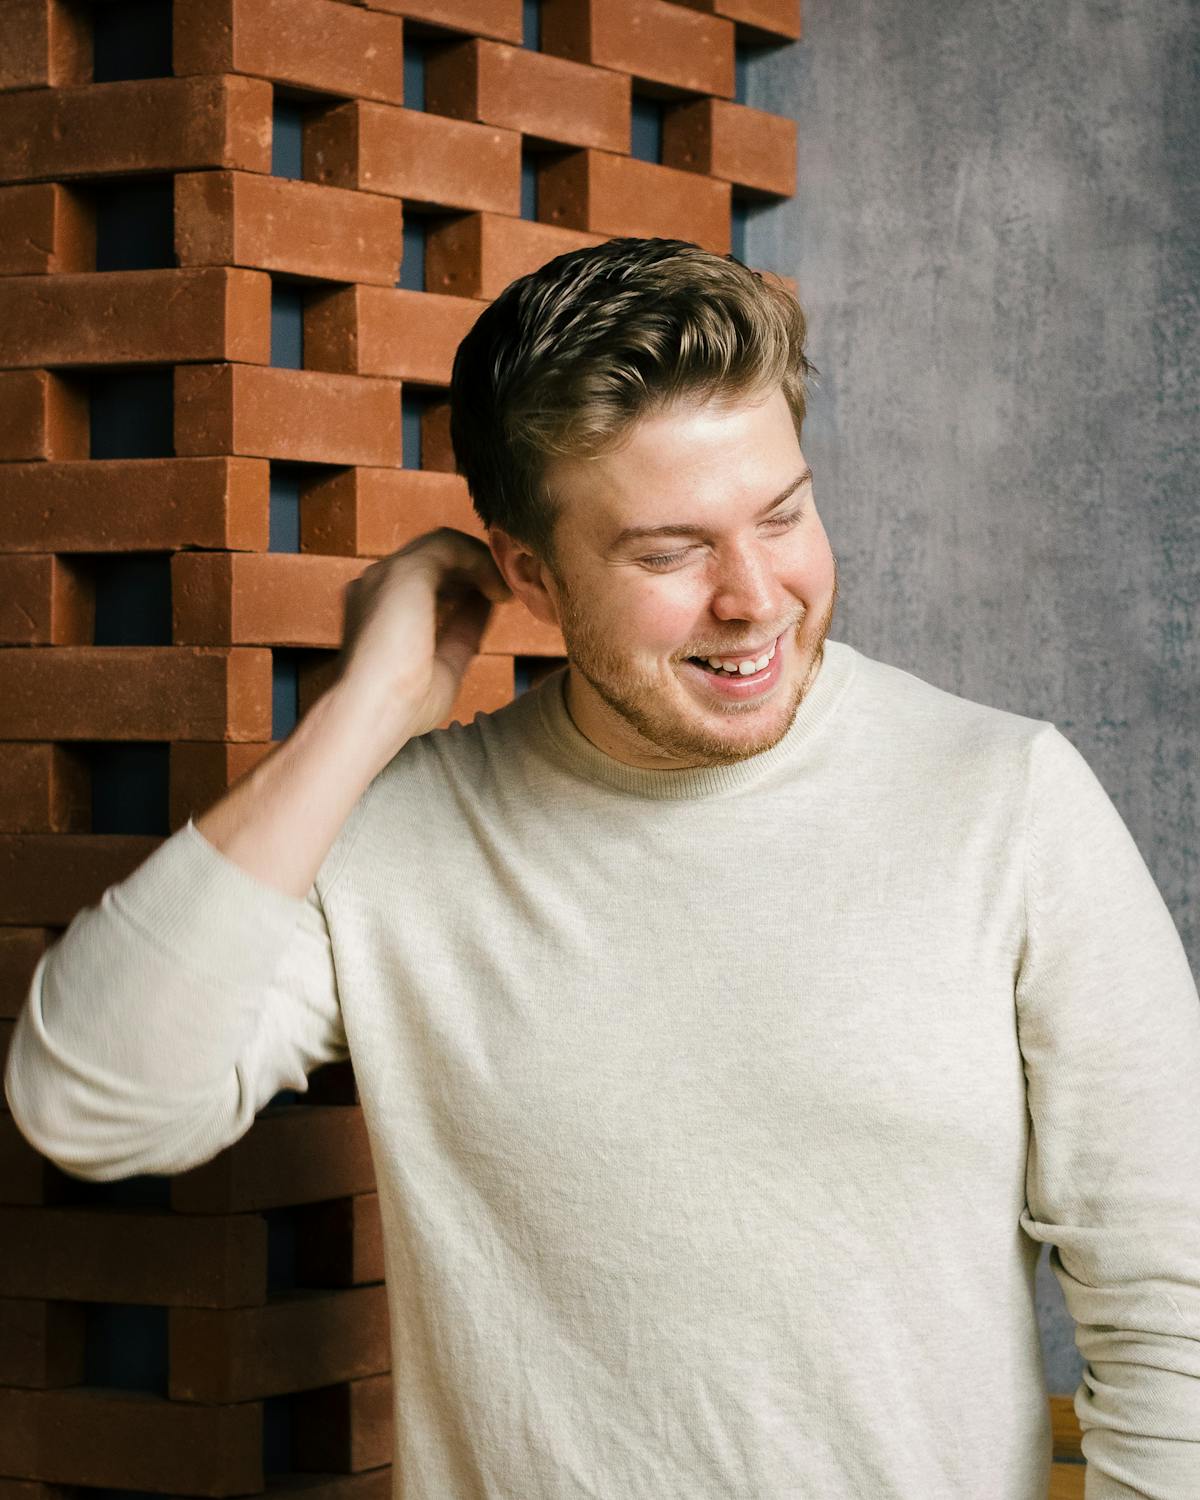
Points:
[463,621]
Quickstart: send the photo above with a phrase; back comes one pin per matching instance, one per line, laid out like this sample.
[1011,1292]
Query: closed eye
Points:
[662,559]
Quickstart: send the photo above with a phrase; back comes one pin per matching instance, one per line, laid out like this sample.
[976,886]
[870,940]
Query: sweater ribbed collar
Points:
[574,750]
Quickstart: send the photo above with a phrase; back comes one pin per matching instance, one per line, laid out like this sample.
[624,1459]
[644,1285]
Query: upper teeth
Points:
[744,667]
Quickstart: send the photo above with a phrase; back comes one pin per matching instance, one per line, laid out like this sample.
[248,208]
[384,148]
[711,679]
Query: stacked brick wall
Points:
[239,242]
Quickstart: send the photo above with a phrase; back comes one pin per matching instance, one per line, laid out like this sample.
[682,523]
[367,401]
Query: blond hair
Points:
[570,356]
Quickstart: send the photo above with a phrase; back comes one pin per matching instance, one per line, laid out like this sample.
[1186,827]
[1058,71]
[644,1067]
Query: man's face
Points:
[753,577]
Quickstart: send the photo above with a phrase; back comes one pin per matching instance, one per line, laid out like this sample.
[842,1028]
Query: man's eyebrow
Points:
[633,533]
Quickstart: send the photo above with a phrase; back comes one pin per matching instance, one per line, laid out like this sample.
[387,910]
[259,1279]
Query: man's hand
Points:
[413,623]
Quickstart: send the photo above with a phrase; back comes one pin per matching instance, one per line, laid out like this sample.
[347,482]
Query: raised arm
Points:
[165,1016]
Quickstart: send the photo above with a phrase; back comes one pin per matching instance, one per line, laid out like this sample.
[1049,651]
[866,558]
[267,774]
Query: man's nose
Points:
[746,587]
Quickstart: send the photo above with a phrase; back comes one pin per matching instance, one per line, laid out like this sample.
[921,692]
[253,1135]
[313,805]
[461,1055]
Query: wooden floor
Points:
[1066,1473]
[1066,1482]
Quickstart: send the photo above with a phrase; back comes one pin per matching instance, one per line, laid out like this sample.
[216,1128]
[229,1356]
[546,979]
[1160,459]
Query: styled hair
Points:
[569,357]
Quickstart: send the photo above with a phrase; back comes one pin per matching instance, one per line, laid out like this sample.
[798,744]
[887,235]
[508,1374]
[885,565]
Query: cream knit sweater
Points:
[717,1115]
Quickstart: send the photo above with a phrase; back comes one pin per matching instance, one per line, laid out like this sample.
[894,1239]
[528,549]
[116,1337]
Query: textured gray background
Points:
[994,237]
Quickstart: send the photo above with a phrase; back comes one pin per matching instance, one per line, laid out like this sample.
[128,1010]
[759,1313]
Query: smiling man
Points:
[702,654]
[733,1015]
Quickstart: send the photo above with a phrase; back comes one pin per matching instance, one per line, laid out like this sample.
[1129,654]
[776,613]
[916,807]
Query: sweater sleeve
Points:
[1109,1027]
[167,1015]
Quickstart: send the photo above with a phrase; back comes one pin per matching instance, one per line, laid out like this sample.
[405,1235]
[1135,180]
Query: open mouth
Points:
[742,666]
[764,673]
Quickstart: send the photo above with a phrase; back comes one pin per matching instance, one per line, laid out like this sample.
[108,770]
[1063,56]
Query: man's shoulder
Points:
[468,751]
[917,710]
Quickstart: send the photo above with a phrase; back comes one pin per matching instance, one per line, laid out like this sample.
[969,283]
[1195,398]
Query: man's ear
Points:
[526,574]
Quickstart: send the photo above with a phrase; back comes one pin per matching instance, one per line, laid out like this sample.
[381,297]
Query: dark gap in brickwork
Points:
[130,788]
[415,55]
[746,57]
[413,404]
[87,1492]
[285,507]
[412,263]
[125,1347]
[287,324]
[285,691]
[131,39]
[528,671]
[133,599]
[287,138]
[132,413]
[743,211]
[277,1436]
[646,138]
[140,1192]
[743,58]
[282,1240]
[739,213]
[529,184]
[135,224]
[531,24]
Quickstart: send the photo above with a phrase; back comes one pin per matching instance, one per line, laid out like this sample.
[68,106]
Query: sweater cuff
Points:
[209,912]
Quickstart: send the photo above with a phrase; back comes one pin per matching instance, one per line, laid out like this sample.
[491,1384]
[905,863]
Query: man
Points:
[733,1015]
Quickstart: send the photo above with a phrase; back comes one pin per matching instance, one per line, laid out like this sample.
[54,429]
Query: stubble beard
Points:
[637,699]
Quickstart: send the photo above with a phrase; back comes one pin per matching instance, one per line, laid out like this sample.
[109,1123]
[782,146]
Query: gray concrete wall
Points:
[994,237]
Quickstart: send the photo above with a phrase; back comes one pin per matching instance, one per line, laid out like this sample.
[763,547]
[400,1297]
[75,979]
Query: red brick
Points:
[298,1341]
[44,601]
[373,330]
[344,1428]
[201,774]
[131,1440]
[45,879]
[135,505]
[135,693]
[670,50]
[428,160]
[747,147]
[143,125]
[294,599]
[42,1344]
[550,100]
[47,43]
[266,598]
[487,684]
[240,219]
[495,18]
[135,317]
[43,789]
[303,415]
[322,45]
[513,631]
[477,255]
[757,22]
[621,195]
[340,1242]
[20,950]
[371,512]
[44,227]
[42,416]
[294,1154]
[136,1257]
